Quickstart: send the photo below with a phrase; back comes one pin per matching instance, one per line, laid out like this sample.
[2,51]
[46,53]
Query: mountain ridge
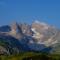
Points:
[38,36]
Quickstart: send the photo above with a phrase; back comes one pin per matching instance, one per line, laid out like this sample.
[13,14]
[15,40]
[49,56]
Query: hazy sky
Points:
[28,10]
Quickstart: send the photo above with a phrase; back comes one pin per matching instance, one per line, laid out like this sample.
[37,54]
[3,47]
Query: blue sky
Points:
[29,10]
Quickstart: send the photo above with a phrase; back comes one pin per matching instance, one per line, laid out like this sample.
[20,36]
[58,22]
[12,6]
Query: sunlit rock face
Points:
[43,33]
[16,31]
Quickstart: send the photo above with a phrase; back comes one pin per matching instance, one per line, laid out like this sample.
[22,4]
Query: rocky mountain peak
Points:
[16,30]
[41,32]
[35,37]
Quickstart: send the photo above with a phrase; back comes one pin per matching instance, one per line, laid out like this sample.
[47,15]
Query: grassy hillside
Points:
[31,56]
[24,56]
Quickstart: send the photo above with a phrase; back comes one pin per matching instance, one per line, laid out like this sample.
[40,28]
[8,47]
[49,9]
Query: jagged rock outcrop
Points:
[24,37]
[16,31]
[26,29]
[43,33]
[3,51]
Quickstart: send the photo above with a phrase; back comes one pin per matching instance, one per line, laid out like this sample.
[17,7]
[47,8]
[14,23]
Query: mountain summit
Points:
[38,36]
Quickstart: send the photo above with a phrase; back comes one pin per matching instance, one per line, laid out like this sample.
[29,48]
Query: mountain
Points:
[38,36]
[5,28]
[44,33]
